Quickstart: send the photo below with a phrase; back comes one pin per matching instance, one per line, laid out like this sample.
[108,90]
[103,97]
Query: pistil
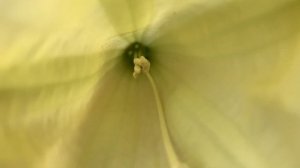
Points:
[142,66]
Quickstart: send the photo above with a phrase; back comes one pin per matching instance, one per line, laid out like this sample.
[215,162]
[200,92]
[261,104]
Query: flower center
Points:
[136,50]
[138,55]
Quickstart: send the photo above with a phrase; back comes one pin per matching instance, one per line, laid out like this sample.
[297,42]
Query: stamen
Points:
[142,65]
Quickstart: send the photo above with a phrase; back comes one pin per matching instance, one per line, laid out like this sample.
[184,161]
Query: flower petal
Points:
[225,74]
[33,30]
[257,135]
[129,17]
[49,104]
[122,127]
[50,64]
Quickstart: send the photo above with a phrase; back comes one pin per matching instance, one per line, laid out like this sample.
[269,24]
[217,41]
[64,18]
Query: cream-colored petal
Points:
[129,17]
[50,63]
[33,30]
[260,51]
[227,75]
[258,135]
[50,104]
[122,127]
[41,104]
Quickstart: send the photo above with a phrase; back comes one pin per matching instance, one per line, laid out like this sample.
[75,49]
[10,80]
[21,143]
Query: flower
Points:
[226,73]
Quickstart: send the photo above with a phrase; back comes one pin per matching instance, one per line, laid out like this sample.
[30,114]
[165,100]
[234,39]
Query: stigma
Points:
[141,65]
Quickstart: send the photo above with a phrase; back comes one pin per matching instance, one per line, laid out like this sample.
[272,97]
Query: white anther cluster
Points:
[141,65]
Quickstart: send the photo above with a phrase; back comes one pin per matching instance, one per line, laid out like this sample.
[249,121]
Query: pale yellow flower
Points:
[226,71]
